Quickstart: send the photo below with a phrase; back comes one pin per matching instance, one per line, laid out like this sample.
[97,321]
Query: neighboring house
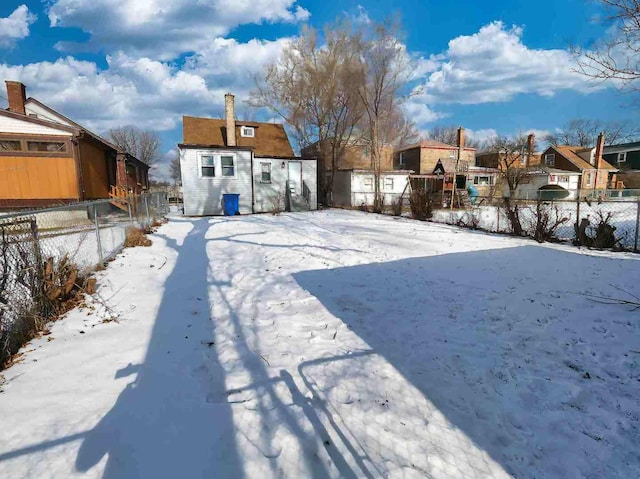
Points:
[252,159]
[356,188]
[626,157]
[356,156]
[484,180]
[547,183]
[48,159]
[596,173]
[527,158]
[422,157]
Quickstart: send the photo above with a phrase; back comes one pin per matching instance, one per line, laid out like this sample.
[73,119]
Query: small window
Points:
[266,172]
[587,179]
[550,159]
[388,184]
[525,159]
[365,151]
[228,167]
[368,183]
[207,164]
[47,146]
[622,157]
[563,179]
[247,131]
[553,179]
[403,159]
[10,145]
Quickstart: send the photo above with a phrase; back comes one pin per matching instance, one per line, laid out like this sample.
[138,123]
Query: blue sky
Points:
[493,66]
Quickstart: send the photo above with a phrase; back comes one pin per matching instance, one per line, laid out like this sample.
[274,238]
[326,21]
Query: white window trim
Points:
[235,165]
[402,161]
[268,163]
[200,166]
[553,159]
[624,156]
[247,132]
[390,181]
[588,175]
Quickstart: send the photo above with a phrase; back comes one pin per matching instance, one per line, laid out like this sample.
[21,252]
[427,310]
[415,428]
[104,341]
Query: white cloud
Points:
[16,26]
[482,135]
[494,65]
[145,92]
[164,30]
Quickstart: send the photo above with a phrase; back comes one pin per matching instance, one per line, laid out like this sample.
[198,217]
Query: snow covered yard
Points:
[335,344]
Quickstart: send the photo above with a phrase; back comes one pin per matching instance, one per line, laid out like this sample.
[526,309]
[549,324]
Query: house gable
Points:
[13,123]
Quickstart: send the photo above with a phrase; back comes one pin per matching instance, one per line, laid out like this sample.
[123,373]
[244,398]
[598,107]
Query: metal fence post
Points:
[95,219]
[635,243]
[146,207]
[129,208]
[498,223]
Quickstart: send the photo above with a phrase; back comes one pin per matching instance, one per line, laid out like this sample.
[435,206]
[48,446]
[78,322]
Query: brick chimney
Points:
[531,143]
[599,150]
[230,116]
[17,96]
[460,142]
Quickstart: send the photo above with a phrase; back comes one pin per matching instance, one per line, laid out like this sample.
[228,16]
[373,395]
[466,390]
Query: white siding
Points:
[203,196]
[33,108]
[362,187]
[14,125]
[268,195]
[310,177]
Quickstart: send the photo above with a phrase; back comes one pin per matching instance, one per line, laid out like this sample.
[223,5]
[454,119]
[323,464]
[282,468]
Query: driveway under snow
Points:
[334,344]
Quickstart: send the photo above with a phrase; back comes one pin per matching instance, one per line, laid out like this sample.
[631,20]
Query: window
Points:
[483,180]
[403,159]
[47,146]
[587,179]
[368,183]
[10,145]
[563,179]
[207,166]
[388,184]
[525,159]
[247,131]
[365,151]
[266,172]
[228,168]
[550,159]
[622,157]
[553,179]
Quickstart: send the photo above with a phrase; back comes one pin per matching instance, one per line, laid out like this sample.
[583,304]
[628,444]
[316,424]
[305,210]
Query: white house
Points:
[542,182]
[251,159]
[355,188]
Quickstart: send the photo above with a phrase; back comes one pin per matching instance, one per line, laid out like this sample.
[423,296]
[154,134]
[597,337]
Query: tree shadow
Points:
[495,342]
[162,425]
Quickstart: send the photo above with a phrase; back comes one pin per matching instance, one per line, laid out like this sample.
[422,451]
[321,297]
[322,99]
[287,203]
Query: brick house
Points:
[423,157]
[48,159]
[528,158]
[596,173]
[626,157]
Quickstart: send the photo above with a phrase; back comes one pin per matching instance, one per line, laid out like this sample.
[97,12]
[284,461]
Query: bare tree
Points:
[313,87]
[143,144]
[449,134]
[174,170]
[583,132]
[511,153]
[616,58]
[385,72]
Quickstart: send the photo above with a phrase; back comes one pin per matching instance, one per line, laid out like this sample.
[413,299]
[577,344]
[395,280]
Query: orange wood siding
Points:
[37,178]
[95,175]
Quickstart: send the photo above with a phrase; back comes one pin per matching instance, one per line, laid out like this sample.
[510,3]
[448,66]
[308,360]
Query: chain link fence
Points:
[604,222]
[44,252]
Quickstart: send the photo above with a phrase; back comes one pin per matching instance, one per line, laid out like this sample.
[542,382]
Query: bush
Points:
[469,220]
[546,222]
[600,235]
[421,203]
[136,237]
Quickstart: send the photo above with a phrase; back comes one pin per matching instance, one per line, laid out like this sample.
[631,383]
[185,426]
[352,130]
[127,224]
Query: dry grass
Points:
[137,237]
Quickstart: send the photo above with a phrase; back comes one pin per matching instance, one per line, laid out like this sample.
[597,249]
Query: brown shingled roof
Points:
[571,154]
[270,138]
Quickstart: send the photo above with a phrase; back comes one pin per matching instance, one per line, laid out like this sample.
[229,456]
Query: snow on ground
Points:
[334,344]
